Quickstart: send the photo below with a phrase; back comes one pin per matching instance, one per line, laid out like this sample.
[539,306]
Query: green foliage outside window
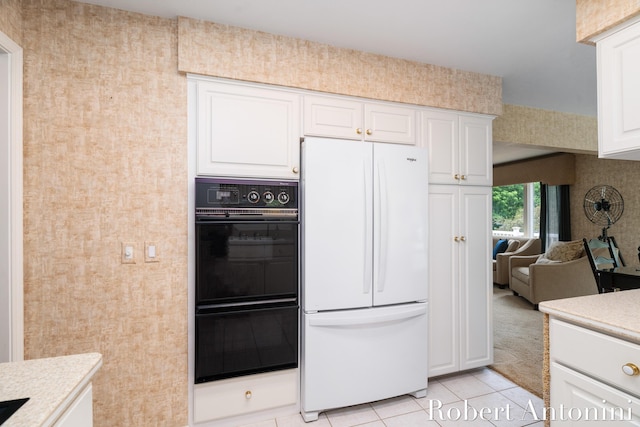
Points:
[508,206]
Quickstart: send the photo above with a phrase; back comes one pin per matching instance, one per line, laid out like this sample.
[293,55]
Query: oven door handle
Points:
[242,221]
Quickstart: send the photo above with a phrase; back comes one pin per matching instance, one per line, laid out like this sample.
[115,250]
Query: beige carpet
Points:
[518,340]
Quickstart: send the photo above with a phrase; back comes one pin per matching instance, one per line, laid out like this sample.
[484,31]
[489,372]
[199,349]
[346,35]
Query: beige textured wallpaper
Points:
[623,175]
[243,54]
[11,19]
[596,16]
[543,128]
[105,160]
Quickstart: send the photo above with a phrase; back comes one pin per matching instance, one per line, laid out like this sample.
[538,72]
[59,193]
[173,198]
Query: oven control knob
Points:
[253,196]
[283,197]
[268,197]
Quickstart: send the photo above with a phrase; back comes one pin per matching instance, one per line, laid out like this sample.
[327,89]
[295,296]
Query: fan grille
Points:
[603,205]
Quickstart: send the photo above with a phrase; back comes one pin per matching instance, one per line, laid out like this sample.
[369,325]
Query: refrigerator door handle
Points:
[324,319]
[366,284]
[383,227]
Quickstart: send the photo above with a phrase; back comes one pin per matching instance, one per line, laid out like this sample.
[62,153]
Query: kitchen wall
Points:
[269,58]
[624,176]
[11,19]
[596,16]
[105,162]
[547,129]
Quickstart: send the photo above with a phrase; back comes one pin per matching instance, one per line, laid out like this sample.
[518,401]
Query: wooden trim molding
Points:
[15,251]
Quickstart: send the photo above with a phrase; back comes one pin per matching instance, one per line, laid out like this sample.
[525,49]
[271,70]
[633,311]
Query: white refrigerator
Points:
[363,273]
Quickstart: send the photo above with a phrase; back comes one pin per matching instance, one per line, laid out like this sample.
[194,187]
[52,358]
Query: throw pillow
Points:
[564,251]
[543,260]
[513,245]
[500,247]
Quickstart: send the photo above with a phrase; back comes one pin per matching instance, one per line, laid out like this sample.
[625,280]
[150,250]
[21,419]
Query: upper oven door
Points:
[241,261]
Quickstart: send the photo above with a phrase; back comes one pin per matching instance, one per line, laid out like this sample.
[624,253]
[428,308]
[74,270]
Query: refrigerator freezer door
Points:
[336,224]
[356,356]
[400,195]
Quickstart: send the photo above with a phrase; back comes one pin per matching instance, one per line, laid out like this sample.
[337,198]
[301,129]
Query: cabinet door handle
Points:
[456,177]
[294,169]
[463,239]
[630,369]
[248,394]
[464,177]
[359,131]
[369,131]
[456,239]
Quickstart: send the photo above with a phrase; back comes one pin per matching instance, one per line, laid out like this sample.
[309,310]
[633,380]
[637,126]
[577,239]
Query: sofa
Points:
[545,277]
[518,246]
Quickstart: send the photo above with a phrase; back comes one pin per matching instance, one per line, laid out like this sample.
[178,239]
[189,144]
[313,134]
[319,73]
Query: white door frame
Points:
[11,143]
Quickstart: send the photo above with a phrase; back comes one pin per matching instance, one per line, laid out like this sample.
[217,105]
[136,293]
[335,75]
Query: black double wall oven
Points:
[246,296]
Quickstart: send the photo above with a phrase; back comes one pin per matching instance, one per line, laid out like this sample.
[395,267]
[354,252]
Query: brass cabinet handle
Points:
[369,131]
[464,177]
[456,177]
[463,239]
[630,369]
[248,394]
[456,239]
[359,131]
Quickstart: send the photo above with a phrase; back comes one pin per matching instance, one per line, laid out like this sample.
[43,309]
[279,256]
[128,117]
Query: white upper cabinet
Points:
[247,130]
[476,150]
[336,117]
[618,59]
[460,148]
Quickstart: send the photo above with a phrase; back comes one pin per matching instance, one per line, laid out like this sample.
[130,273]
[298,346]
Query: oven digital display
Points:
[223,196]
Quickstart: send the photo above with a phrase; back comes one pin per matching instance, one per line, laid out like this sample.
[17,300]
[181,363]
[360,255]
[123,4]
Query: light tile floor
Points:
[475,398]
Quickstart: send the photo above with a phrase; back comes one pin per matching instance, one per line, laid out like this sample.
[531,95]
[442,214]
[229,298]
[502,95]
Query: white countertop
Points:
[50,383]
[614,313]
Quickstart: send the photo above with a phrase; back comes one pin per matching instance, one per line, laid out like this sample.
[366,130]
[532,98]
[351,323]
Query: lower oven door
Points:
[235,341]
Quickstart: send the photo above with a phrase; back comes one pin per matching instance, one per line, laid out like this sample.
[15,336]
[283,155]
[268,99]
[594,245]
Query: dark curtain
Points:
[555,214]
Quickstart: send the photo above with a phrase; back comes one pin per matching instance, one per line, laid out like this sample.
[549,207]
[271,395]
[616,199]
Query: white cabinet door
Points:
[440,136]
[231,397]
[444,267]
[387,123]
[579,400]
[476,152]
[476,286]
[460,322]
[80,413]
[337,117]
[247,131]
[618,59]
[460,148]
[332,117]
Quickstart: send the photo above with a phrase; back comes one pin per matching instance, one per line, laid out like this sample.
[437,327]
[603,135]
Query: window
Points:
[516,210]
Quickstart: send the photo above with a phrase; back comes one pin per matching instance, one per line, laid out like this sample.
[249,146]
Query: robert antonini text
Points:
[603,412]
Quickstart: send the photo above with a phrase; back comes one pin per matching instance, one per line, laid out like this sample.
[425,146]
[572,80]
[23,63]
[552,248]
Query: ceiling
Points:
[529,43]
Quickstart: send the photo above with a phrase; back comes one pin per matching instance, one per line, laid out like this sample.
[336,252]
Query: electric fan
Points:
[603,205]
